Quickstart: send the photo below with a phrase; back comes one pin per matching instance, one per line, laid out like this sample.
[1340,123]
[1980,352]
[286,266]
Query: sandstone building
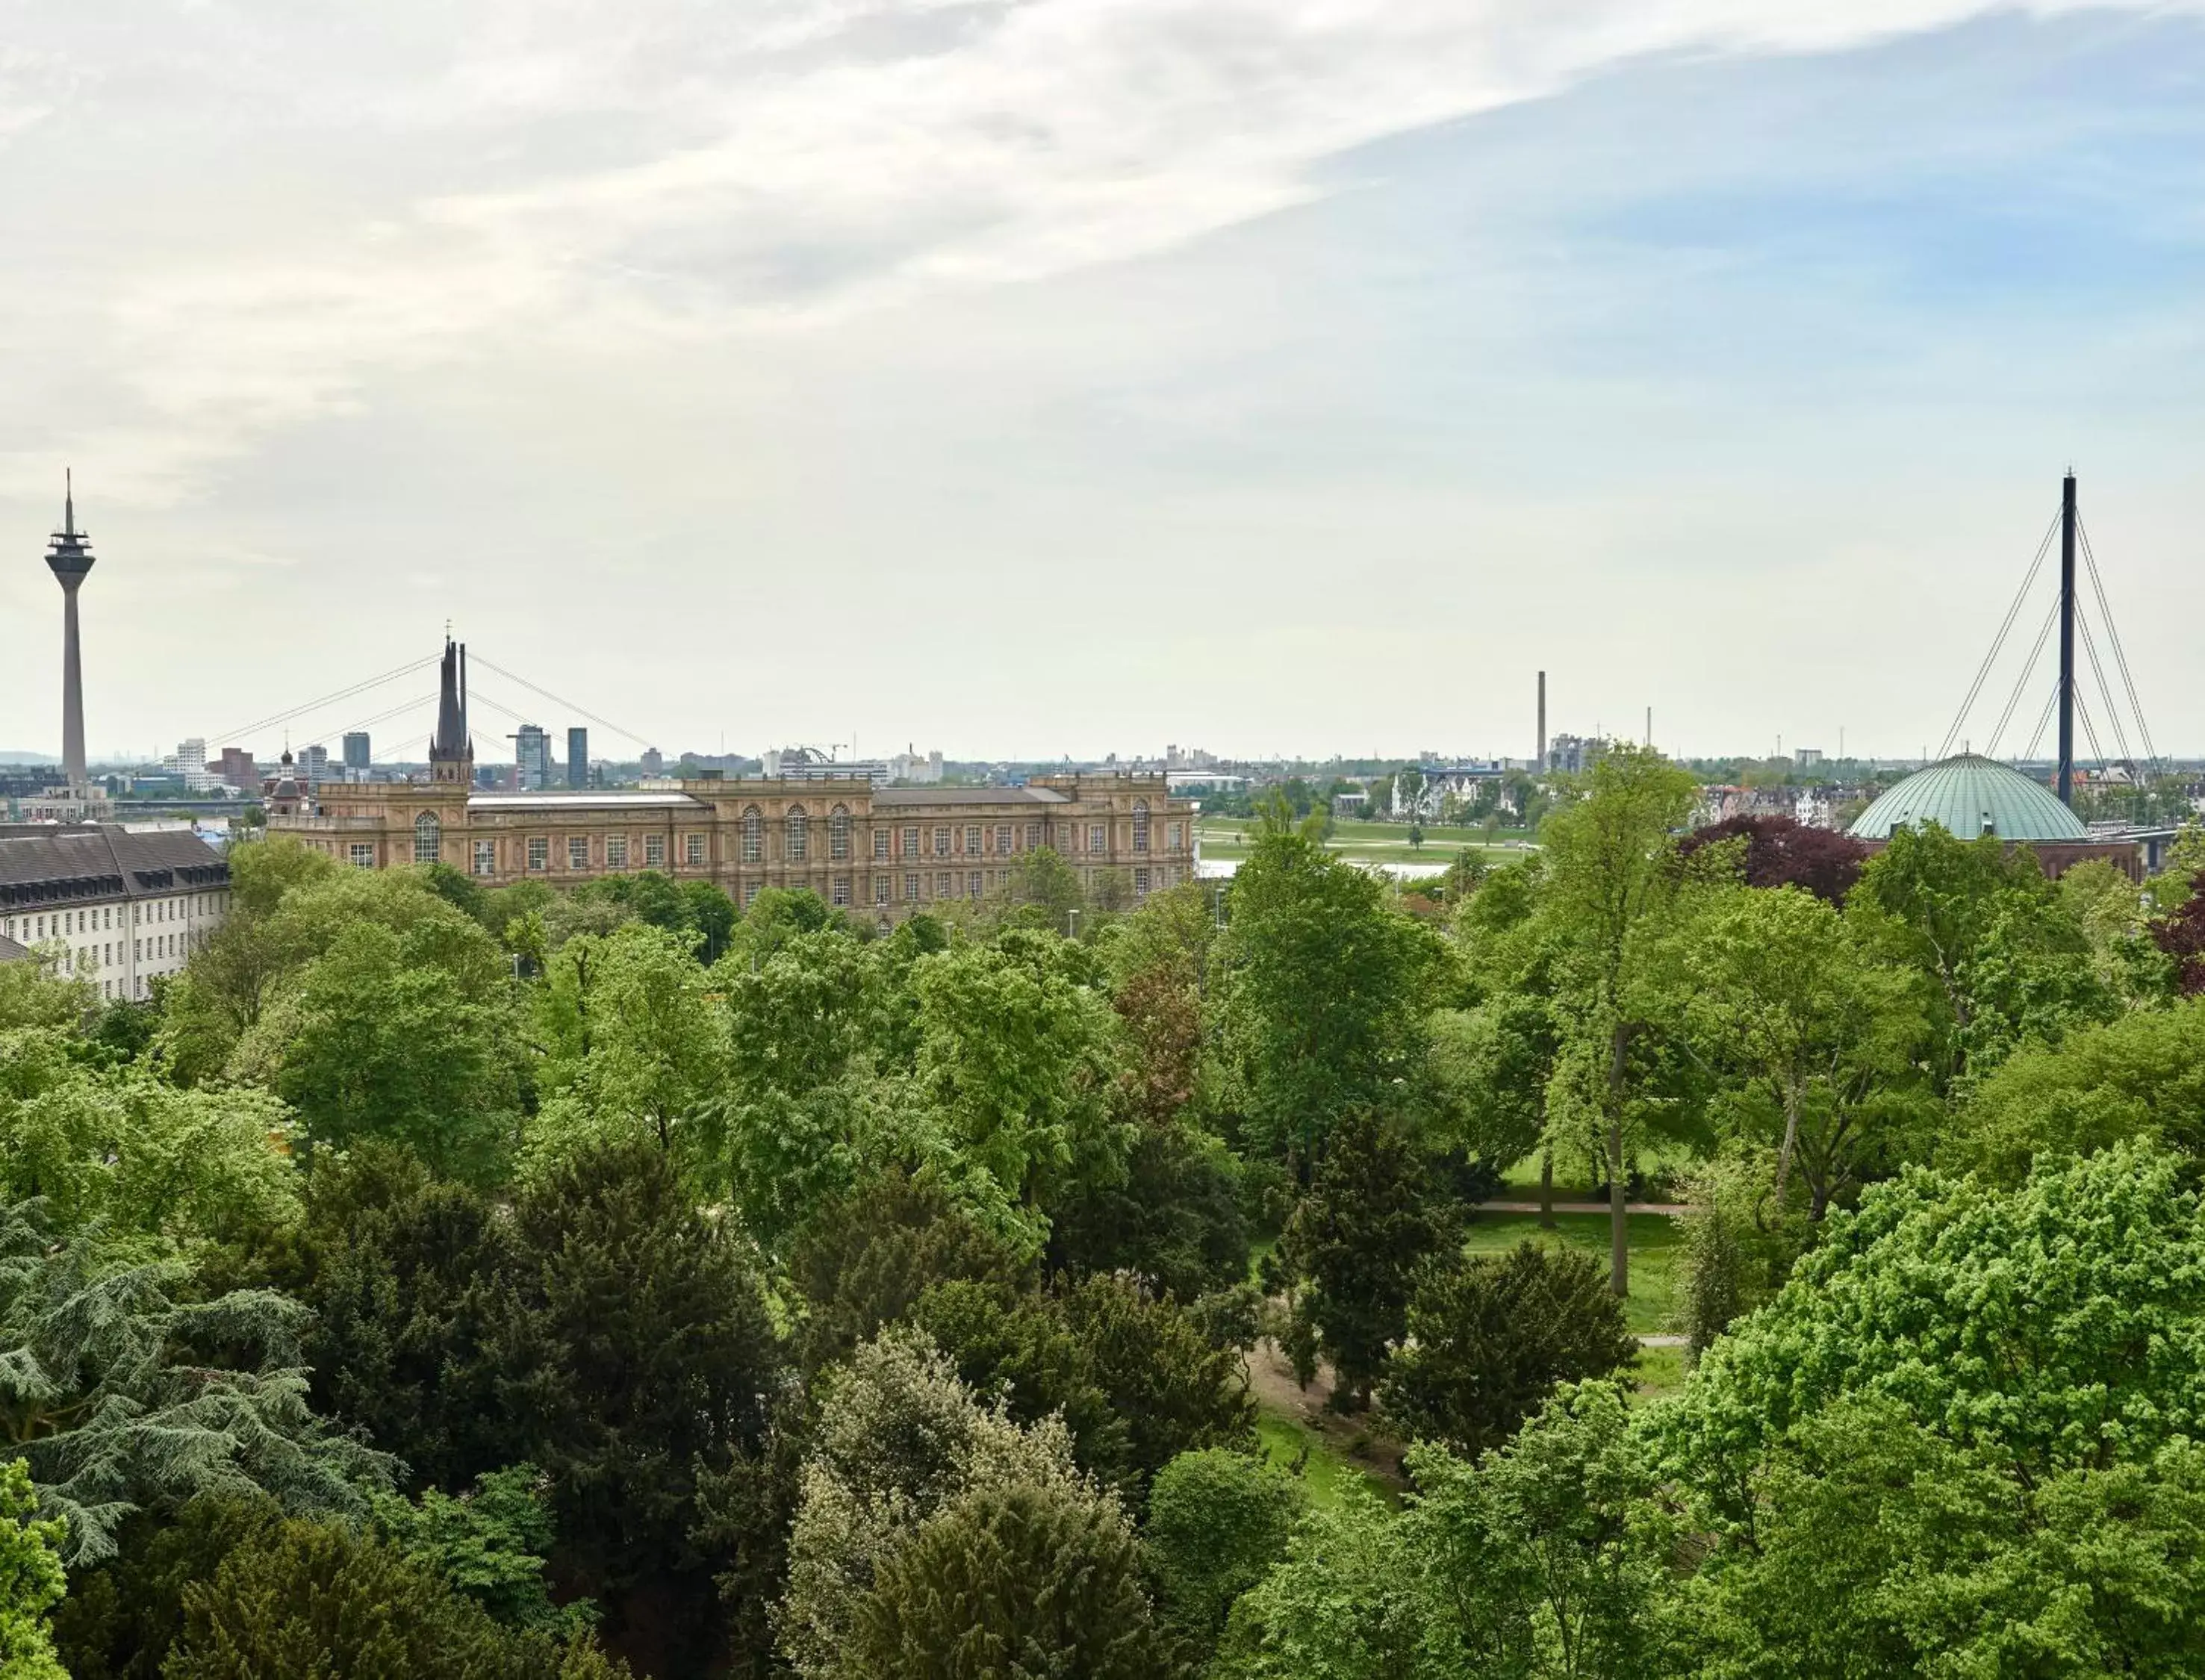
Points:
[880,852]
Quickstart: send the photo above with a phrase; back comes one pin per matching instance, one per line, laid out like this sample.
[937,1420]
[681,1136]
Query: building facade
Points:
[118,905]
[880,852]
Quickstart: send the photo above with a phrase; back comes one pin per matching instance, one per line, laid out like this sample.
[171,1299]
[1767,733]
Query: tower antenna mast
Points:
[2067,639]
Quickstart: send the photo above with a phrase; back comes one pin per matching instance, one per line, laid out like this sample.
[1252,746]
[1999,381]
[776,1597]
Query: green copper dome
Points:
[1972,795]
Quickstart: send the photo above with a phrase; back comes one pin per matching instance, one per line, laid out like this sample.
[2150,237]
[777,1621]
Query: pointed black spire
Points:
[451,754]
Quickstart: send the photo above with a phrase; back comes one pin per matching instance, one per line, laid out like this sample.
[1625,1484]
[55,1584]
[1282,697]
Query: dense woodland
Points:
[439,1282]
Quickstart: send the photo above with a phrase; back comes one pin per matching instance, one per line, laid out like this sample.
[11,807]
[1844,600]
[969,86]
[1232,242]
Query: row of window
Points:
[33,929]
[975,838]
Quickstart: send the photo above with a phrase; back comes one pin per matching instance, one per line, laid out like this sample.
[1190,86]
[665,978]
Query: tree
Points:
[490,1545]
[1358,1237]
[1030,1579]
[634,1041]
[633,1351]
[407,1037]
[1488,1339]
[31,1580]
[1811,1031]
[1014,1059]
[120,1397]
[1609,878]
[1175,1389]
[899,1438]
[122,1614]
[1176,1220]
[1784,852]
[1324,992]
[1217,1522]
[1046,890]
[406,1274]
[2180,934]
[313,1599]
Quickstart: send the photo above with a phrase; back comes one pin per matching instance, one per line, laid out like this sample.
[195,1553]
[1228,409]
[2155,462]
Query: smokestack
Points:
[1541,763]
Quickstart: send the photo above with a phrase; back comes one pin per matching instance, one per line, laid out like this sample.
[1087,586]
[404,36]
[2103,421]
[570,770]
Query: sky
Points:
[1070,376]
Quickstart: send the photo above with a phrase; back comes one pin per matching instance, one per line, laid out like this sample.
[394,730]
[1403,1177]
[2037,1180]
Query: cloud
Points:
[656,168]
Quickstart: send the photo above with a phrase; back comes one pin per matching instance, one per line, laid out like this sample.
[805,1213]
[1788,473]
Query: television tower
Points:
[70,558]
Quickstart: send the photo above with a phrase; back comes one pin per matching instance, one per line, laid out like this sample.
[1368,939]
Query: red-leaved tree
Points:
[1784,852]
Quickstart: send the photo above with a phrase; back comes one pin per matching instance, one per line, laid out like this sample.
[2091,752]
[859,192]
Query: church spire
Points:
[451,753]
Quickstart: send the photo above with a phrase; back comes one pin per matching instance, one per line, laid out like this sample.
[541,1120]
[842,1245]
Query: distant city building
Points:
[879,852]
[578,758]
[238,770]
[1189,758]
[1807,756]
[532,757]
[357,755]
[190,763]
[654,761]
[314,763]
[1573,755]
[118,905]
[805,763]
[909,766]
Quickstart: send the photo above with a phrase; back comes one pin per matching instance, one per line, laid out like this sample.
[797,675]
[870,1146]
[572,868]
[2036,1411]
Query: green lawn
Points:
[1520,1183]
[1656,1241]
[1660,1371]
[1328,1470]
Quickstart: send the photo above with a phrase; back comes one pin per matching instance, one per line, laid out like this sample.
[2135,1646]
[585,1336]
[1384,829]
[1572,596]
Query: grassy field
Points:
[1656,1246]
[1225,838]
[1328,1470]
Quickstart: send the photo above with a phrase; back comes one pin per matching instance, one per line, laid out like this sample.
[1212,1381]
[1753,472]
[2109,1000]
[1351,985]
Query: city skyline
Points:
[1305,399]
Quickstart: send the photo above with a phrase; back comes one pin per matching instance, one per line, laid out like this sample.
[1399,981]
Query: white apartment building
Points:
[117,903]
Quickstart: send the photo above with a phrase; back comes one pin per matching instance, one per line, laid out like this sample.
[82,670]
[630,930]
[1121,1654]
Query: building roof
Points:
[969,796]
[1972,795]
[10,952]
[582,801]
[107,861]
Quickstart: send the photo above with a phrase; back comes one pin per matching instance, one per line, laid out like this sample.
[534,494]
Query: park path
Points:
[1673,1208]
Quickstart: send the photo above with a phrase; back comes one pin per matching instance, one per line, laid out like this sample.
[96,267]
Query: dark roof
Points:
[75,863]
[12,952]
[968,796]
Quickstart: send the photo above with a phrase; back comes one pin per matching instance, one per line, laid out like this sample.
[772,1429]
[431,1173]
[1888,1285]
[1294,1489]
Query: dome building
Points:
[1970,795]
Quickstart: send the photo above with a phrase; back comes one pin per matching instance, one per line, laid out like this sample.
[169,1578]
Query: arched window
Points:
[798,828]
[838,833]
[428,838]
[1140,825]
[753,834]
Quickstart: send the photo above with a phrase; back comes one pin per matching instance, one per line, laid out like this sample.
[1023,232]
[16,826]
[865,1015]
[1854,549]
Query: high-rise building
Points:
[238,770]
[190,764]
[532,756]
[654,761]
[315,763]
[578,758]
[69,558]
[357,756]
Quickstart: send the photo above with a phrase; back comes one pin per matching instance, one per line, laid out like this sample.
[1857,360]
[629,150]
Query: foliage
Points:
[122,1614]
[1740,1241]
[1358,1238]
[899,1438]
[864,1258]
[1784,852]
[405,1035]
[121,1397]
[1174,1386]
[1176,1220]
[632,1347]
[489,1544]
[1026,1580]
[1489,1337]
[1217,1521]
[2140,1077]
[31,1580]
[2180,934]
[138,1153]
[404,1274]
[1324,991]
[309,1599]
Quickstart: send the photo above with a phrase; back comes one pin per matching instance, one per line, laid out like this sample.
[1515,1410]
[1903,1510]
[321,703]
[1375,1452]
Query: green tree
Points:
[632,1352]
[489,1544]
[1610,878]
[1176,1220]
[1045,890]
[119,1396]
[1030,1579]
[311,1599]
[1015,1059]
[1358,1237]
[122,1614]
[1810,1030]
[2140,1077]
[1489,1337]
[1324,989]
[899,1438]
[1217,1522]
[405,1035]
[31,1580]
[634,1041]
